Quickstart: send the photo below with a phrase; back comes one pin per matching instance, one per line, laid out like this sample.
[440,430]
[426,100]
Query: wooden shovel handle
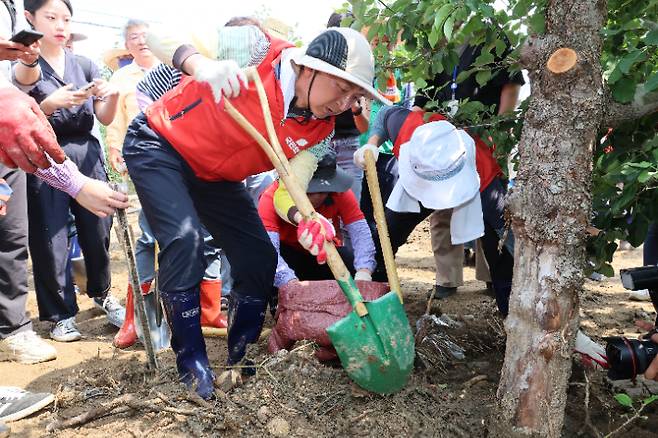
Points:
[298,195]
[382,227]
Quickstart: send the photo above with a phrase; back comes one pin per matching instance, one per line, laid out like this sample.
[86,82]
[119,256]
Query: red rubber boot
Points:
[127,336]
[211,306]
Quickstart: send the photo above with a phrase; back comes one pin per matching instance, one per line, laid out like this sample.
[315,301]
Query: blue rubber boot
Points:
[245,322]
[184,316]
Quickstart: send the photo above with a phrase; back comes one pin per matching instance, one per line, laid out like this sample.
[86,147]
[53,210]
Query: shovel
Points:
[374,341]
[125,237]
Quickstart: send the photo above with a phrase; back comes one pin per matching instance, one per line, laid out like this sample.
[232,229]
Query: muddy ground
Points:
[293,395]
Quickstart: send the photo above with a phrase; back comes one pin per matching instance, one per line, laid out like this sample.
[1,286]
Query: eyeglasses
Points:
[134,37]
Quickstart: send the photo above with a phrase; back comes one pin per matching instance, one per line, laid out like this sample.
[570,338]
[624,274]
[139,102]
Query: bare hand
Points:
[11,51]
[651,372]
[65,97]
[97,197]
[116,160]
[104,90]
[25,134]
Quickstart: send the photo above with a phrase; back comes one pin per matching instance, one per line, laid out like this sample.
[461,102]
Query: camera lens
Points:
[628,357]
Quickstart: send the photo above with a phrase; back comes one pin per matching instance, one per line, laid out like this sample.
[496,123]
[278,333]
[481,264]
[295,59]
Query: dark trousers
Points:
[650,248]
[49,239]
[501,263]
[387,174]
[13,257]
[176,203]
[306,266]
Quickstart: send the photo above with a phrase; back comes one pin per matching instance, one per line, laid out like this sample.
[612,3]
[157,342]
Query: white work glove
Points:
[224,77]
[592,354]
[360,154]
[362,275]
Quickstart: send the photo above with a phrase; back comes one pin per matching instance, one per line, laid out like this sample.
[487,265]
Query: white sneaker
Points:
[26,347]
[65,331]
[16,404]
[639,295]
[114,311]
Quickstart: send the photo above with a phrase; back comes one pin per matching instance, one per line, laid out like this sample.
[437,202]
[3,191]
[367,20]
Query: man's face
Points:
[136,42]
[331,95]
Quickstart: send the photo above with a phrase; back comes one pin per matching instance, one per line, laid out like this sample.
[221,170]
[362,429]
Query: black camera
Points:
[629,357]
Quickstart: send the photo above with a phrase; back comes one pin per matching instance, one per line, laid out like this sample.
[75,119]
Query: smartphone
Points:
[90,86]
[27,37]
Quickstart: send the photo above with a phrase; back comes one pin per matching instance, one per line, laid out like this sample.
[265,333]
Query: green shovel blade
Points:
[377,351]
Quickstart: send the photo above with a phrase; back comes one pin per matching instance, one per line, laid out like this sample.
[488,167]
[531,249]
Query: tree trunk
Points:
[550,208]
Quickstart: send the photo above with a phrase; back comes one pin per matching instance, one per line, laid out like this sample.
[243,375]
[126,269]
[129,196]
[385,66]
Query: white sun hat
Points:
[437,170]
[345,53]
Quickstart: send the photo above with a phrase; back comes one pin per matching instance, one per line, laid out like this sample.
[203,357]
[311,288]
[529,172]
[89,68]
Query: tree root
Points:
[123,404]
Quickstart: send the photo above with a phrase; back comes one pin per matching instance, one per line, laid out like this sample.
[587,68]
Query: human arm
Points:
[364,247]
[96,196]
[284,274]
[509,96]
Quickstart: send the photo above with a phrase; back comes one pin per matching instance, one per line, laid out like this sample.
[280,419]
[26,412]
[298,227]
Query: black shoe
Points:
[441,292]
[16,403]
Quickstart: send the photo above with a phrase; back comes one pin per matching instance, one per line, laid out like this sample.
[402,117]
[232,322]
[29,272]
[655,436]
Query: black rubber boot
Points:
[245,322]
[184,316]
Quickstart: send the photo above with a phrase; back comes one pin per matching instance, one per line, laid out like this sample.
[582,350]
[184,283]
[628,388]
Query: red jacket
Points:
[212,143]
[486,164]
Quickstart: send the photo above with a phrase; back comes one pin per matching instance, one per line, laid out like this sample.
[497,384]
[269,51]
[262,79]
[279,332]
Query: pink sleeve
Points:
[65,177]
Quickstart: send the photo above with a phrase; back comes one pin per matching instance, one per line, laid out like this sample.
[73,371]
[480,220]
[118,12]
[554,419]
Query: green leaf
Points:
[645,176]
[651,39]
[632,58]
[482,77]
[442,14]
[483,59]
[607,270]
[624,400]
[649,400]
[433,37]
[652,83]
[624,90]
[448,27]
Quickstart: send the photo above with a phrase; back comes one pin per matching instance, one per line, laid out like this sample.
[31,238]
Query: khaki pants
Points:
[449,258]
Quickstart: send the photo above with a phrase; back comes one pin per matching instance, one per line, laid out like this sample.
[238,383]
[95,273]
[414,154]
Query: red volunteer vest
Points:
[212,143]
[486,164]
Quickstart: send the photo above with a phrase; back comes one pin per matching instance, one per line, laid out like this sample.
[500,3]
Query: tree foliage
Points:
[625,167]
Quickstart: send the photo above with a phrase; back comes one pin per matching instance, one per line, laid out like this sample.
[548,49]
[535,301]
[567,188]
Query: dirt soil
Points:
[293,395]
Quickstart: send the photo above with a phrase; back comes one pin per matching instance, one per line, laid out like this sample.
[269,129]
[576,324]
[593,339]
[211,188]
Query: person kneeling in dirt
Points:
[329,192]
[400,126]
[187,159]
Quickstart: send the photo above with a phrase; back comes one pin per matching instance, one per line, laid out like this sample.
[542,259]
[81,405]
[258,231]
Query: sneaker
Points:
[26,347]
[639,295]
[441,292]
[65,331]
[114,311]
[16,403]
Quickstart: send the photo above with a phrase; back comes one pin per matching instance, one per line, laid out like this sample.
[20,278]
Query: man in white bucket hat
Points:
[433,177]
[187,159]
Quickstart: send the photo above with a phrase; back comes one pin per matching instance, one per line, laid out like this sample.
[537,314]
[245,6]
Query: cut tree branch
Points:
[619,113]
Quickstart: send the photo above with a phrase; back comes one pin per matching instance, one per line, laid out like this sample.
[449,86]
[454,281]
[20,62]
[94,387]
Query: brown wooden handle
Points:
[382,227]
